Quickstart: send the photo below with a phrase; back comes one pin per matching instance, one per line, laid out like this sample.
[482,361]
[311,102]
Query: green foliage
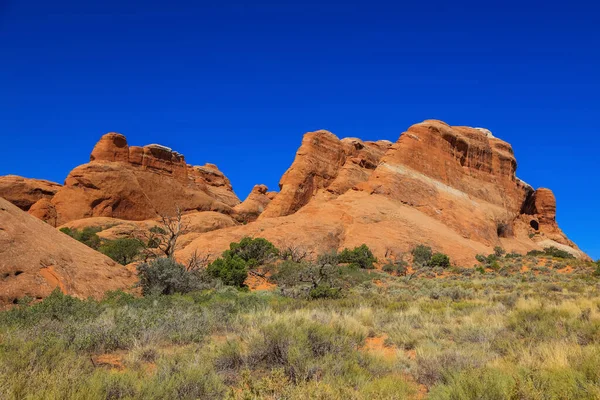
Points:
[439,260]
[513,254]
[421,255]
[325,291]
[398,267]
[253,252]
[551,252]
[124,250]
[231,270]
[499,251]
[164,276]
[596,272]
[554,252]
[361,257]
[88,236]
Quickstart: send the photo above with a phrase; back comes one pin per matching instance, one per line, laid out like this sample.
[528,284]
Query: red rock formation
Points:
[452,188]
[254,205]
[35,258]
[324,162]
[138,183]
[24,192]
[111,147]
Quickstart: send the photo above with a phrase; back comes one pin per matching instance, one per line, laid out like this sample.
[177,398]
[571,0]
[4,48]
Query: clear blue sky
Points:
[238,83]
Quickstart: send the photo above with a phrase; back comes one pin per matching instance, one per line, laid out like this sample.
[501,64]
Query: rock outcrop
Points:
[24,192]
[452,188]
[254,205]
[35,259]
[137,183]
[324,162]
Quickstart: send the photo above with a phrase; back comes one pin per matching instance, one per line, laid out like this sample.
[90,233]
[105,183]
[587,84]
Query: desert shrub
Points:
[421,255]
[481,258]
[164,276]
[361,257]
[324,291]
[476,384]
[596,272]
[499,251]
[155,237]
[551,252]
[439,260]
[231,270]
[88,236]
[253,252]
[398,267]
[438,367]
[536,253]
[513,254]
[554,252]
[124,250]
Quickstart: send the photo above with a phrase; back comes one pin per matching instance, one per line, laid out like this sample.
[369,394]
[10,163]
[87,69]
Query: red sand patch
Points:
[377,345]
[113,361]
[256,283]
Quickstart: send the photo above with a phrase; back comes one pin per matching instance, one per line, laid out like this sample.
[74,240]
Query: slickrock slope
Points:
[35,258]
[136,183]
[24,192]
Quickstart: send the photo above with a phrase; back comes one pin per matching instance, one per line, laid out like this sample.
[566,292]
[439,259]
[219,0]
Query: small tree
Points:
[164,276]
[254,252]
[421,255]
[164,238]
[439,260]
[124,250]
[88,235]
[361,257]
[231,270]
[499,251]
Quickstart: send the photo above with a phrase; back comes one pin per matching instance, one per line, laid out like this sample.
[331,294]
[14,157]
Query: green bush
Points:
[421,255]
[88,236]
[499,251]
[361,257]
[164,276]
[254,252]
[439,260]
[398,267]
[325,291]
[231,270]
[124,250]
[551,252]
[554,252]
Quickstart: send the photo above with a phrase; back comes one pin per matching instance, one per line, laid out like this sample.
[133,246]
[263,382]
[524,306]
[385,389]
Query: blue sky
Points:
[238,83]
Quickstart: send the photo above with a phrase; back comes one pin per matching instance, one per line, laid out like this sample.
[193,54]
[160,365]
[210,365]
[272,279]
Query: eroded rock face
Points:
[35,258]
[138,183]
[324,162]
[24,192]
[254,205]
[452,188]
